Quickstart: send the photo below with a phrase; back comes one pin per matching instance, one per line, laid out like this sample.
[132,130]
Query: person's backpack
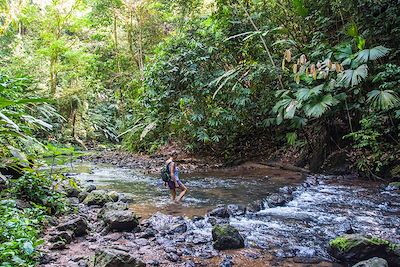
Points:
[165,174]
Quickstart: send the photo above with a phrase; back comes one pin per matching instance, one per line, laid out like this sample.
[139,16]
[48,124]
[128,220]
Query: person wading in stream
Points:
[174,182]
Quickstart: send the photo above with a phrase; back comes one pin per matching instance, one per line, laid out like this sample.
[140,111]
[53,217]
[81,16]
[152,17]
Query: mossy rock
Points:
[97,197]
[105,257]
[355,248]
[113,195]
[226,237]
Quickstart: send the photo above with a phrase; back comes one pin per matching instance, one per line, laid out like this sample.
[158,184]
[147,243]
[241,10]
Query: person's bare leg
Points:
[173,194]
[184,190]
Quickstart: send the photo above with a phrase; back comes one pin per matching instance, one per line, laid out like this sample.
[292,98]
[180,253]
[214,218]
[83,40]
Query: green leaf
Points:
[5,102]
[372,54]
[383,99]
[9,121]
[352,30]
[28,248]
[318,108]
[291,138]
[290,109]
[350,77]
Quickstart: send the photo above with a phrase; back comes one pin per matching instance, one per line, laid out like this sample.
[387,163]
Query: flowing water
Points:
[322,207]
[206,190]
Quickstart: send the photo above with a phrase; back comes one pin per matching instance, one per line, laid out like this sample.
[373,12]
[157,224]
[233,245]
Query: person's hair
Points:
[169,155]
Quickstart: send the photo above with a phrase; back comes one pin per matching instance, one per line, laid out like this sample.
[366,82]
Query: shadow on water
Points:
[206,190]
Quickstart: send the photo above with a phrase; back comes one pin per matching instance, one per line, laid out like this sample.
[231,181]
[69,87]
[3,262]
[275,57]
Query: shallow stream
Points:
[206,190]
[319,209]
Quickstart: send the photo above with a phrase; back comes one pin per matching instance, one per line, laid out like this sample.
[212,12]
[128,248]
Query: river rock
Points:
[276,200]
[78,226]
[114,258]
[226,237]
[82,195]
[113,195]
[354,248]
[126,198]
[148,233]
[374,262]
[178,228]
[97,197]
[72,191]
[236,210]
[221,212]
[227,262]
[112,206]
[255,206]
[64,236]
[120,220]
[90,188]
[393,186]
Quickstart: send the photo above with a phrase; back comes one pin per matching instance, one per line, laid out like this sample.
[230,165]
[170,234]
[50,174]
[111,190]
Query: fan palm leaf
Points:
[383,99]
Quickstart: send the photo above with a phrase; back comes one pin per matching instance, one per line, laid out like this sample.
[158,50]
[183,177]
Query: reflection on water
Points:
[206,190]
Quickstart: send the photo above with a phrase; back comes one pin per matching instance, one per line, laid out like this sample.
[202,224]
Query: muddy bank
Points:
[290,228]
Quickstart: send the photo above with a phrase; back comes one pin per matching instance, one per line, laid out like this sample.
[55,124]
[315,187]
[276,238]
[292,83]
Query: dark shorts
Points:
[171,184]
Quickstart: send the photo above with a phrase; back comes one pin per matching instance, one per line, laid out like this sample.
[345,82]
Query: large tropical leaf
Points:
[353,77]
[281,104]
[383,99]
[304,94]
[291,109]
[343,52]
[372,54]
[318,108]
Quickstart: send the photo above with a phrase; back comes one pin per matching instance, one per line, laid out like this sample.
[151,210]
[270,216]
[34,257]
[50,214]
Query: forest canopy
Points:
[225,78]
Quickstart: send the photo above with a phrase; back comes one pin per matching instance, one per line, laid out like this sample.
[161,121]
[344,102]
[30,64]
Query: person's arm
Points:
[172,172]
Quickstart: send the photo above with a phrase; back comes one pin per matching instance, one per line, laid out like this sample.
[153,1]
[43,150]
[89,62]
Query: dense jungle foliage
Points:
[232,79]
[220,77]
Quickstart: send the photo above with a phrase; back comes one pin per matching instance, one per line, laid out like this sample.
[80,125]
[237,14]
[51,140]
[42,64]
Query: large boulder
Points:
[120,220]
[112,206]
[355,248]
[374,262]
[97,197]
[77,225]
[226,237]
[114,258]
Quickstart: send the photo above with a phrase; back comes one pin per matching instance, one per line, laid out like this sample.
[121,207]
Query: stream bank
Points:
[290,227]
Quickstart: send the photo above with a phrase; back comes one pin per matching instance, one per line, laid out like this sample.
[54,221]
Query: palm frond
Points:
[383,99]
[372,54]
[353,77]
